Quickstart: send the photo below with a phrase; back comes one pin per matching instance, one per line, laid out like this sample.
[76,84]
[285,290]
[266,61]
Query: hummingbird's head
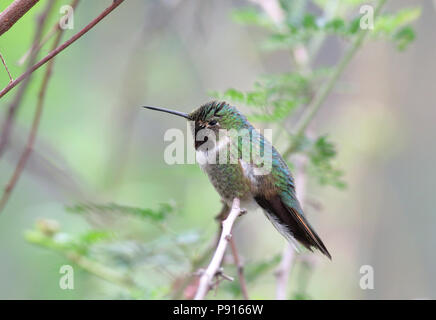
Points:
[217,115]
[213,115]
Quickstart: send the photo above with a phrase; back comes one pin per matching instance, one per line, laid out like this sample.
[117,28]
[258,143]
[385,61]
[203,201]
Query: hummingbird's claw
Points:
[223,213]
[242,211]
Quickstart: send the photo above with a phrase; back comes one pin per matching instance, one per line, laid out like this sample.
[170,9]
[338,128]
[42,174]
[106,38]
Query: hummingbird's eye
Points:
[213,122]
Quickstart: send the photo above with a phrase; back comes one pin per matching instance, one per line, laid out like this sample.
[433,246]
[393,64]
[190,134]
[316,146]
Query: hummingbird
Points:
[273,190]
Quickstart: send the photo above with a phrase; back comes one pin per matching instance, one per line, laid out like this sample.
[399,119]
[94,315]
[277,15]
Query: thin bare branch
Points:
[214,265]
[62,47]
[35,125]
[187,285]
[13,107]
[38,46]
[56,27]
[13,13]
[240,267]
[6,67]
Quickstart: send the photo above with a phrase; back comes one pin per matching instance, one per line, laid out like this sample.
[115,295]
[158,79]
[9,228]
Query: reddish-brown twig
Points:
[56,27]
[6,67]
[62,47]
[13,13]
[35,125]
[240,268]
[8,123]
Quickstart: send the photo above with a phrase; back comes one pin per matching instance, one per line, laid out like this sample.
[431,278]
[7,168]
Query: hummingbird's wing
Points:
[276,195]
[290,222]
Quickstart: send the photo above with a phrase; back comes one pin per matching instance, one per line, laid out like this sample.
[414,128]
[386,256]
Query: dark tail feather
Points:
[292,222]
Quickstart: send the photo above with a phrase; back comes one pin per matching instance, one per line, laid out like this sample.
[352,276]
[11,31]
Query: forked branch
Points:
[35,124]
[6,67]
[206,280]
[62,47]
[15,103]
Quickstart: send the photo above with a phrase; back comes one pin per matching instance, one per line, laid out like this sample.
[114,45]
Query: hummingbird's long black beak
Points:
[177,113]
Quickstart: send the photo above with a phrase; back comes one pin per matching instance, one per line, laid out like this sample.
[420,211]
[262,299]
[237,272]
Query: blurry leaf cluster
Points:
[279,98]
[137,264]
[397,26]
[253,272]
[322,154]
[297,29]
[155,215]
[275,96]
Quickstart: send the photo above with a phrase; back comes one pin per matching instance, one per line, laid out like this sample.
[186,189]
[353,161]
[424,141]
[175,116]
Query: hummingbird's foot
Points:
[242,211]
[225,210]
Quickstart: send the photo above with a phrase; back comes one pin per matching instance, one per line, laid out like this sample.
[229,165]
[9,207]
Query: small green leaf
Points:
[354,26]
[309,22]
[404,37]
[336,25]
[390,23]
[94,236]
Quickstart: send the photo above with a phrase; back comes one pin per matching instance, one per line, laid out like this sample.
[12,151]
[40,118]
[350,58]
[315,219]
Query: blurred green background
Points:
[96,144]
